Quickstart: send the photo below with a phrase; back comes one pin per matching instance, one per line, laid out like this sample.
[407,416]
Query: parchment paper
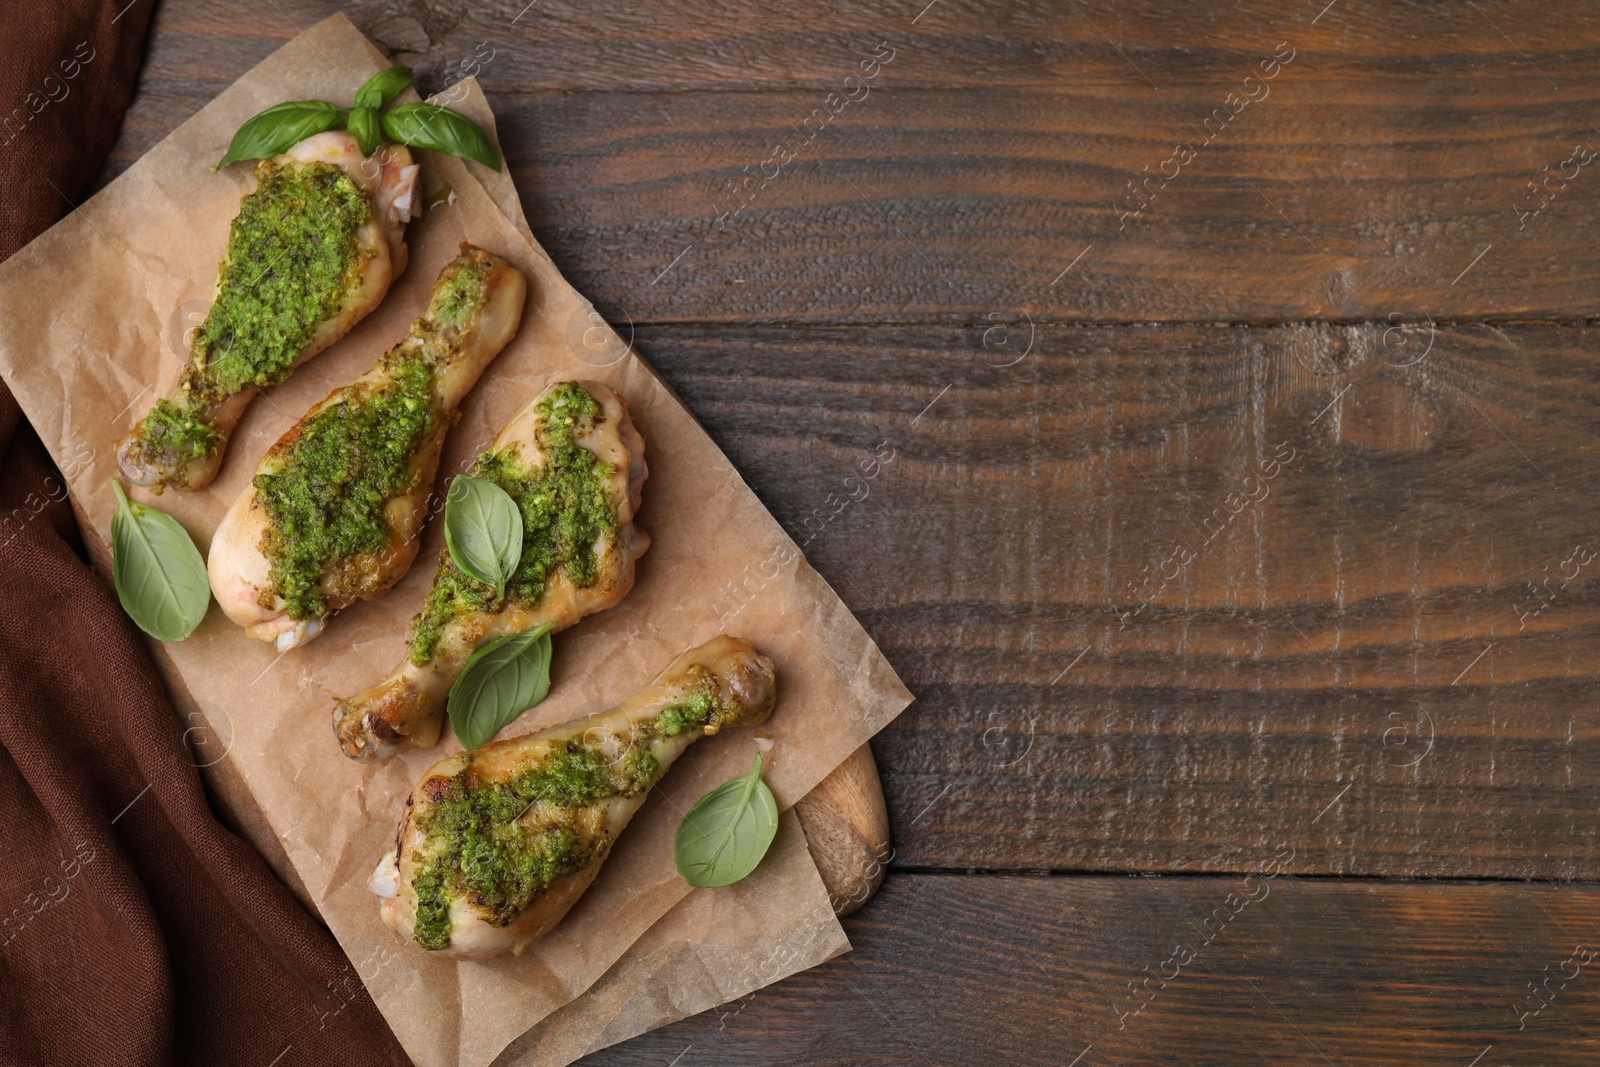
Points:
[710,949]
[96,311]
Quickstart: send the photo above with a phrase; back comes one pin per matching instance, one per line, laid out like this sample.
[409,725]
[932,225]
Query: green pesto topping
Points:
[479,846]
[640,765]
[432,927]
[292,262]
[325,495]
[461,294]
[699,704]
[566,507]
[176,434]
[686,714]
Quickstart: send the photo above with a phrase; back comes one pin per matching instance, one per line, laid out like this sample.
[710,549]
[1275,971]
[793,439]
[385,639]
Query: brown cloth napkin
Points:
[134,927]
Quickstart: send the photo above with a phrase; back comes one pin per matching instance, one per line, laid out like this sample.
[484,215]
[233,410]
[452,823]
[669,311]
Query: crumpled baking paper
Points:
[98,309]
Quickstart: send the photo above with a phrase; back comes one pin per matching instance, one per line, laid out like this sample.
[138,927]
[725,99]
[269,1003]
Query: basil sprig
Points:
[159,575]
[282,126]
[483,529]
[364,126]
[502,680]
[279,128]
[383,87]
[727,832]
[437,127]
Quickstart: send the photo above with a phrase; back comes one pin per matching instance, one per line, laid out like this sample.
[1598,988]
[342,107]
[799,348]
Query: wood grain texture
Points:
[956,970]
[1378,172]
[1313,646]
[1342,665]
[991,408]
[847,831]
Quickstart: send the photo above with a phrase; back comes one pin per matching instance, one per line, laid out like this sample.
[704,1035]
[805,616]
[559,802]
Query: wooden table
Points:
[1240,536]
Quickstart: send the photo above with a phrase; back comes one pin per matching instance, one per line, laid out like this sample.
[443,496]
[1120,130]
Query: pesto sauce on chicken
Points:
[326,494]
[292,261]
[480,844]
[566,508]
[695,710]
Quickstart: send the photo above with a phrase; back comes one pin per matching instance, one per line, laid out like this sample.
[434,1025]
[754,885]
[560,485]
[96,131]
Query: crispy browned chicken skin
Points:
[313,250]
[497,844]
[353,477]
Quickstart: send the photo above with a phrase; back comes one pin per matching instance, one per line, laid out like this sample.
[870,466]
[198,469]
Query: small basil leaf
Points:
[160,577]
[483,528]
[440,129]
[279,128]
[383,87]
[727,832]
[363,125]
[502,680]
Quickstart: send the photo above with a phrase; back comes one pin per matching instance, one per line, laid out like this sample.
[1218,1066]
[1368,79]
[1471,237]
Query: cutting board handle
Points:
[847,829]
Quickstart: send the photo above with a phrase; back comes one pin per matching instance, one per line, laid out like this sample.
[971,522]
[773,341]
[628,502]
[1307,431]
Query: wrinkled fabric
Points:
[134,927]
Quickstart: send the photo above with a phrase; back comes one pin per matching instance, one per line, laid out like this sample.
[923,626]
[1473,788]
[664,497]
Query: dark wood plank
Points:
[961,970]
[1369,178]
[1340,678]
[1341,667]
[1309,652]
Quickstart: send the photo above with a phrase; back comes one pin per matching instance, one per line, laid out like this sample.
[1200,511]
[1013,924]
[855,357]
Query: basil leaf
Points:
[727,832]
[160,577]
[483,527]
[502,680]
[442,130]
[363,125]
[383,87]
[279,128]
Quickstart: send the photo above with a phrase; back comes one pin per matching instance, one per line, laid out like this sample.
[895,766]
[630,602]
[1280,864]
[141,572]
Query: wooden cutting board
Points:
[847,829]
